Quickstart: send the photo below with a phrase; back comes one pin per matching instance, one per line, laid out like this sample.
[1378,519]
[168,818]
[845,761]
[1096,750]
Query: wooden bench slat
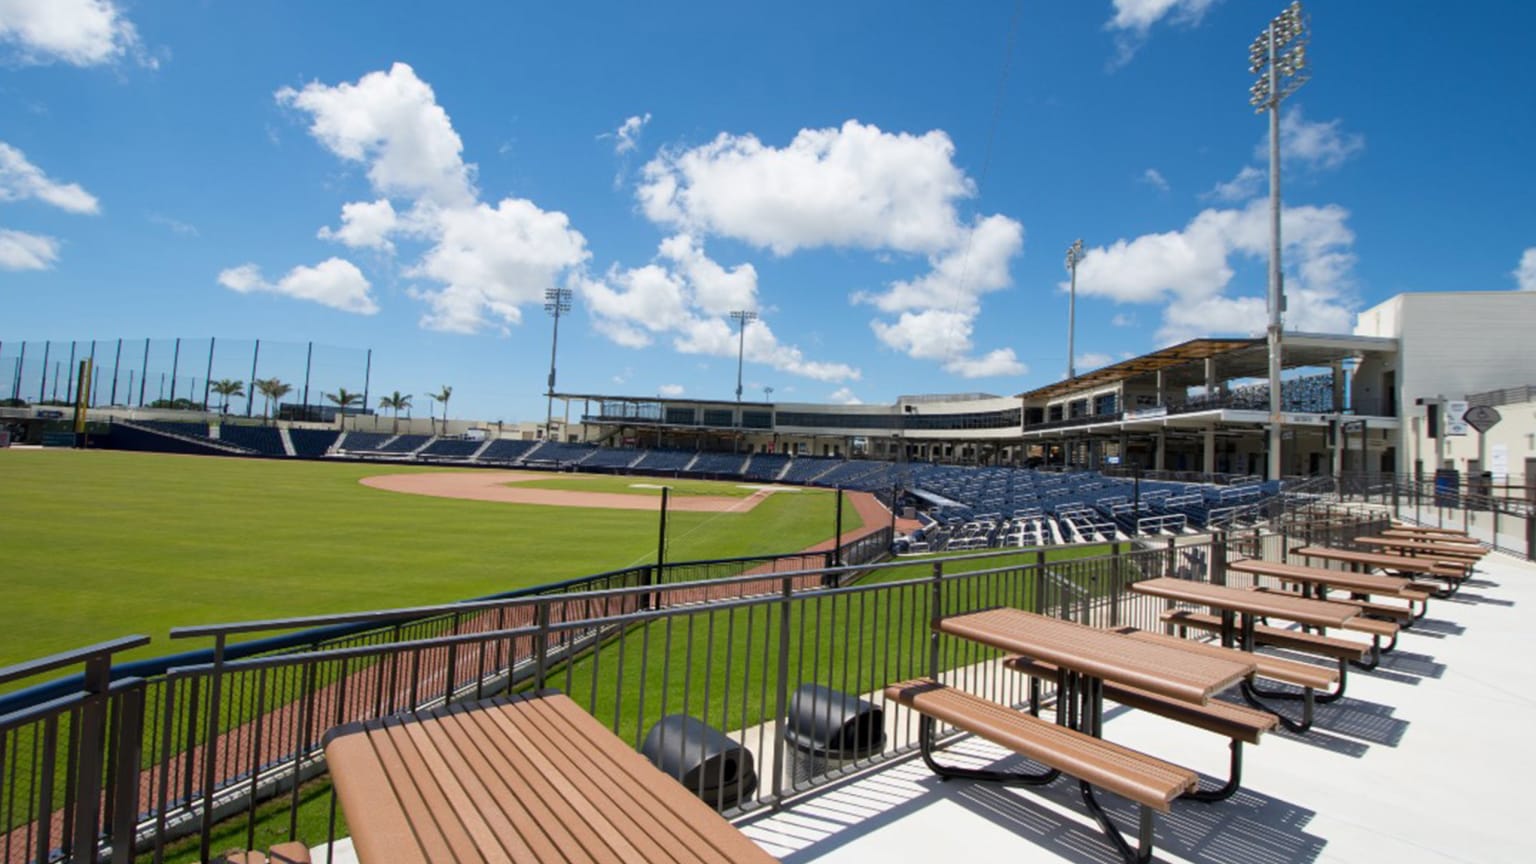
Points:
[1327,646]
[613,797]
[671,798]
[560,818]
[1232,721]
[1144,779]
[1273,668]
[474,805]
[418,790]
[366,788]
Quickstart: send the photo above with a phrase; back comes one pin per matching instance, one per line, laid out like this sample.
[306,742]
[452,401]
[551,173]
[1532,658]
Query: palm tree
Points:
[343,398]
[273,390]
[228,388]
[397,402]
[442,396]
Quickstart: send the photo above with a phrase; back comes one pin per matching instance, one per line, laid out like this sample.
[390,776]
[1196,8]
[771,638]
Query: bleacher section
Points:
[665,460]
[196,430]
[507,450]
[765,466]
[557,453]
[718,463]
[311,443]
[804,469]
[263,439]
[355,442]
[405,444]
[616,458]
[451,448]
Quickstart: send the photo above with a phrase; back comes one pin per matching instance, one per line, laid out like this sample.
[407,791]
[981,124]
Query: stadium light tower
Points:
[745,316]
[1074,255]
[1279,57]
[557,302]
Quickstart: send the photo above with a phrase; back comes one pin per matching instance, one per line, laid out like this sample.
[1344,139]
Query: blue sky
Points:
[891,186]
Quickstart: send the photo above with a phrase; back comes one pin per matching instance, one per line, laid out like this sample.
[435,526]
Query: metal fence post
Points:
[1219,558]
[93,729]
[541,651]
[781,691]
[1039,599]
[1116,576]
[936,605]
[211,745]
[125,801]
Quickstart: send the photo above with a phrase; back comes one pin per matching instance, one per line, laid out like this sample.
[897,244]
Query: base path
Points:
[493,486]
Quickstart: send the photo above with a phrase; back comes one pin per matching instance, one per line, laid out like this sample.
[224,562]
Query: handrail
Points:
[32,668]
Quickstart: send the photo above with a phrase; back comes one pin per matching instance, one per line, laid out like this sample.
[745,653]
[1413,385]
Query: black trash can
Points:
[828,729]
[703,759]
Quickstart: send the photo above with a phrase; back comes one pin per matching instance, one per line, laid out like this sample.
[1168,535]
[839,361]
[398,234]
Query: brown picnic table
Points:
[1320,580]
[1463,545]
[530,778]
[1447,552]
[1239,611]
[1405,564]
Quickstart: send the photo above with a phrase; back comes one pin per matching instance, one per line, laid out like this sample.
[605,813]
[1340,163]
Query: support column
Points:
[1160,457]
[1338,386]
[1209,450]
[1162,398]
[1125,447]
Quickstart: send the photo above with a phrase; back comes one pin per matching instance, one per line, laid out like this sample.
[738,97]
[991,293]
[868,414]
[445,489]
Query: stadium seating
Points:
[718,463]
[804,469]
[452,448]
[665,460]
[557,453]
[404,444]
[612,457]
[507,450]
[263,439]
[354,442]
[765,466]
[311,443]
[196,430]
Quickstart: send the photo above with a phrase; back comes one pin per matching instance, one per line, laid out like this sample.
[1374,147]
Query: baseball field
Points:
[100,544]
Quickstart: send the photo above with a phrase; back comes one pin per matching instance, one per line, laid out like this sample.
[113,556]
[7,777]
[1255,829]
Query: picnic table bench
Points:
[1086,660]
[527,778]
[1430,547]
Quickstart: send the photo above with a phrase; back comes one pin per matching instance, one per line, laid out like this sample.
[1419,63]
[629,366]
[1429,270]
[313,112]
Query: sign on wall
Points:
[1482,418]
[1498,461]
[1455,420]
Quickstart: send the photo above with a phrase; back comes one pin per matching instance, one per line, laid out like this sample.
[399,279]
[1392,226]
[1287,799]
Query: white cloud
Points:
[1123,320]
[844,396]
[1525,274]
[1191,270]
[333,282]
[1133,20]
[671,391]
[1139,15]
[1248,183]
[22,251]
[365,225]
[21,180]
[1091,360]
[1318,146]
[854,186]
[391,121]
[1154,178]
[78,32]
[482,262]
[687,295]
[627,137]
[849,187]
[176,226]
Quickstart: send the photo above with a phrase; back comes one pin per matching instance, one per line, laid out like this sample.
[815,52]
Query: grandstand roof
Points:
[1238,358]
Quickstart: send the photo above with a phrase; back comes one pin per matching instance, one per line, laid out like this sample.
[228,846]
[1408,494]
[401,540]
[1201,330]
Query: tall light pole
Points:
[745,316]
[1074,255]
[1279,57]
[767,394]
[557,302]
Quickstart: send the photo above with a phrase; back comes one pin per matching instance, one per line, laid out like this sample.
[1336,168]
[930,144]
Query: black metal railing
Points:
[195,751]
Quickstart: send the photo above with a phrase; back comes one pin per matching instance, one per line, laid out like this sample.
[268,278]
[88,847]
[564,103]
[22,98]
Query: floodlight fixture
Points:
[745,317]
[1074,256]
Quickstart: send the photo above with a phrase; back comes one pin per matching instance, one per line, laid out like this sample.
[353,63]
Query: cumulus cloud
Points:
[391,122]
[844,396]
[1191,269]
[1133,21]
[1248,183]
[22,251]
[1123,320]
[77,32]
[686,296]
[1525,274]
[480,262]
[671,391]
[852,187]
[21,180]
[1317,145]
[1154,178]
[1091,360]
[333,282]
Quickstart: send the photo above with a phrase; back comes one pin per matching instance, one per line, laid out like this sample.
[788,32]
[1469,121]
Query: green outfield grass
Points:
[100,544]
[636,485]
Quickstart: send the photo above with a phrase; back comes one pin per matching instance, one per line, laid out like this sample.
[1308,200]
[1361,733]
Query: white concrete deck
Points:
[1425,759]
